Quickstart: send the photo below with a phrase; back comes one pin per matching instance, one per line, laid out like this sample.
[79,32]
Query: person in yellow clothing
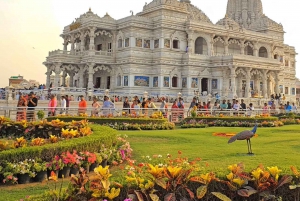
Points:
[82,106]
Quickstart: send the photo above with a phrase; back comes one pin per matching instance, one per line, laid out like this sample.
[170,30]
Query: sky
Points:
[31,28]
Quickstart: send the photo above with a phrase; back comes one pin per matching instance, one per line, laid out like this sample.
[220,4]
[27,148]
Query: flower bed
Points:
[114,152]
[203,123]
[179,179]
[234,119]
[124,123]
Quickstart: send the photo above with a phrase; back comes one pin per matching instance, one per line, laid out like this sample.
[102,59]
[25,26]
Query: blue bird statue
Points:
[245,135]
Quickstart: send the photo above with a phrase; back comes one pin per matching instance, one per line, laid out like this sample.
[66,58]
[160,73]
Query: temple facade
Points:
[171,47]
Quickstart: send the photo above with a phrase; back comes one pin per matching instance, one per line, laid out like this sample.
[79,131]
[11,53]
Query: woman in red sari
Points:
[21,112]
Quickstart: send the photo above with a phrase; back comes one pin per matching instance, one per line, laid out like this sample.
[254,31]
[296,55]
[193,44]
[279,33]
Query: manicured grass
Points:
[273,147]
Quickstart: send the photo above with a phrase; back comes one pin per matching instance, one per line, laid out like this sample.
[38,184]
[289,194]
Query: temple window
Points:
[99,47]
[248,50]
[146,43]
[201,46]
[263,52]
[175,44]
[120,43]
[139,42]
[174,81]
[109,45]
[156,43]
[127,42]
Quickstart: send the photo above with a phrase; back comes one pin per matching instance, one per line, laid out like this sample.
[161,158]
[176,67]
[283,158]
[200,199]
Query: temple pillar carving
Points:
[233,83]
[91,75]
[57,71]
[92,39]
[265,84]
[82,41]
[71,80]
[226,44]
[81,75]
[277,80]
[64,75]
[72,44]
[247,88]
[48,74]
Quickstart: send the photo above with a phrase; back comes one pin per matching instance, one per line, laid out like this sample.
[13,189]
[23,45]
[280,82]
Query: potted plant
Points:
[71,163]
[9,178]
[105,154]
[97,162]
[41,170]
[24,171]
[87,159]
[55,165]
[41,114]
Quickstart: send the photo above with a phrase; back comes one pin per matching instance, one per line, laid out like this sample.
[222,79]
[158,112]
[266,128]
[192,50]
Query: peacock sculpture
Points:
[245,135]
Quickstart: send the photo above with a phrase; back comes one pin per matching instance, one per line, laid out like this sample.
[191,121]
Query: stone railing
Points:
[59,52]
[104,53]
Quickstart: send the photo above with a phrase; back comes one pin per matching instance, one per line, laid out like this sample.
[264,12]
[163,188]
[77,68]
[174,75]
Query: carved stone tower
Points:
[186,1]
[244,12]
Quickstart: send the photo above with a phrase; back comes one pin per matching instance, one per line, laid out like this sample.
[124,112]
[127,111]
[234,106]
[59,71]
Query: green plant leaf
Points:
[221,196]
[247,191]
[201,191]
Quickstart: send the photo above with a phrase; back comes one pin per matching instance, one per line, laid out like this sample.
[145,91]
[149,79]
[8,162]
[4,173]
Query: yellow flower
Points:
[256,173]
[53,139]
[97,193]
[113,193]
[103,172]
[174,171]
[73,133]
[149,185]
[65,133]
[130,179]
[230,176]
[233,168]
[239,182]
[155,171]
[206,177]
[274,171]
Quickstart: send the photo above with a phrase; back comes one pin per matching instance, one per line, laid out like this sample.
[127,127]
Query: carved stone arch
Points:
[205,73]
[104,33]
[264,51]
[248,48]
[278,51]
[103,68]
[241,71]
[219,45]
[234,41]
[120,35]
[202,47]
[176,35]
[87,33]
[256,72]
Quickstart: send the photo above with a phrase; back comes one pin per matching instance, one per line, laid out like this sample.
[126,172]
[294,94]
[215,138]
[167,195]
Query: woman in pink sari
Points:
[21,112]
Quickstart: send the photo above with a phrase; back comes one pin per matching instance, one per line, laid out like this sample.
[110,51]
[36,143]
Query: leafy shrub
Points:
[101,135]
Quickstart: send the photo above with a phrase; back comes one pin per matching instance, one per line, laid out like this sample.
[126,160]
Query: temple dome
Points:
[196,14]
[265,23]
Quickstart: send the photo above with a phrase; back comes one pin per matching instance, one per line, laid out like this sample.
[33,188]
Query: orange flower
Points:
[179,152]
[53,176]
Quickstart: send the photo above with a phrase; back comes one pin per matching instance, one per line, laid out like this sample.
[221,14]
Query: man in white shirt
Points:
[63,105]
[236,106]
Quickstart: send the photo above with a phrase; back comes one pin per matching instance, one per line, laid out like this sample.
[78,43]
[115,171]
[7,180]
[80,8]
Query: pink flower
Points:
[122,154]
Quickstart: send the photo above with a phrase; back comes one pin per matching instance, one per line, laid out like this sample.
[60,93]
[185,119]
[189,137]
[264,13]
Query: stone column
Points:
[82,41]
[114,44]
[92,39]
[200,84]
[57,71]
[255,49]
[48,73]
[247,88]
[65,44]
[239,87]
[72,44]
[71,80]
[226,44]
[265,87]
[212,45]
[225,85]
[257,84]
[242,47]
[64,75]
[277,83]
[233,85]
[91,75]
[81,75]
[191,43]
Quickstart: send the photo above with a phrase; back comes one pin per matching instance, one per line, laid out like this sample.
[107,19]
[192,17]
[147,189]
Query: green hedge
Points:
[233,119]
[92,143]
[110,120]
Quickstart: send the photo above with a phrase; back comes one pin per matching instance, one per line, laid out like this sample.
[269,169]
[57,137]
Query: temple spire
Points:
[186,1]
[244,12]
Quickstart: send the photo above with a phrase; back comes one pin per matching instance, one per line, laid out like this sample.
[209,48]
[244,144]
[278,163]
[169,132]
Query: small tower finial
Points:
[90,9]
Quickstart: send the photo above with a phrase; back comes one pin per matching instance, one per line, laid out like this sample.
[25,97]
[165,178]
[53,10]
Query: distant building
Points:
[19,82]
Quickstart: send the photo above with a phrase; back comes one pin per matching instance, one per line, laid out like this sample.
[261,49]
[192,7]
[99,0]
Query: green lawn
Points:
[273,147]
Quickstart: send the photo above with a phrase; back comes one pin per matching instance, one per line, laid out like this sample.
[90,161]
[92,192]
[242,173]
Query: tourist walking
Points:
[52,106]
[294,108]
[32,103]
[126,106]
[63,105]
[107,107]
[96,106]
[67,103]
[21,111]
[82,106]
[250,110]
[174,110]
